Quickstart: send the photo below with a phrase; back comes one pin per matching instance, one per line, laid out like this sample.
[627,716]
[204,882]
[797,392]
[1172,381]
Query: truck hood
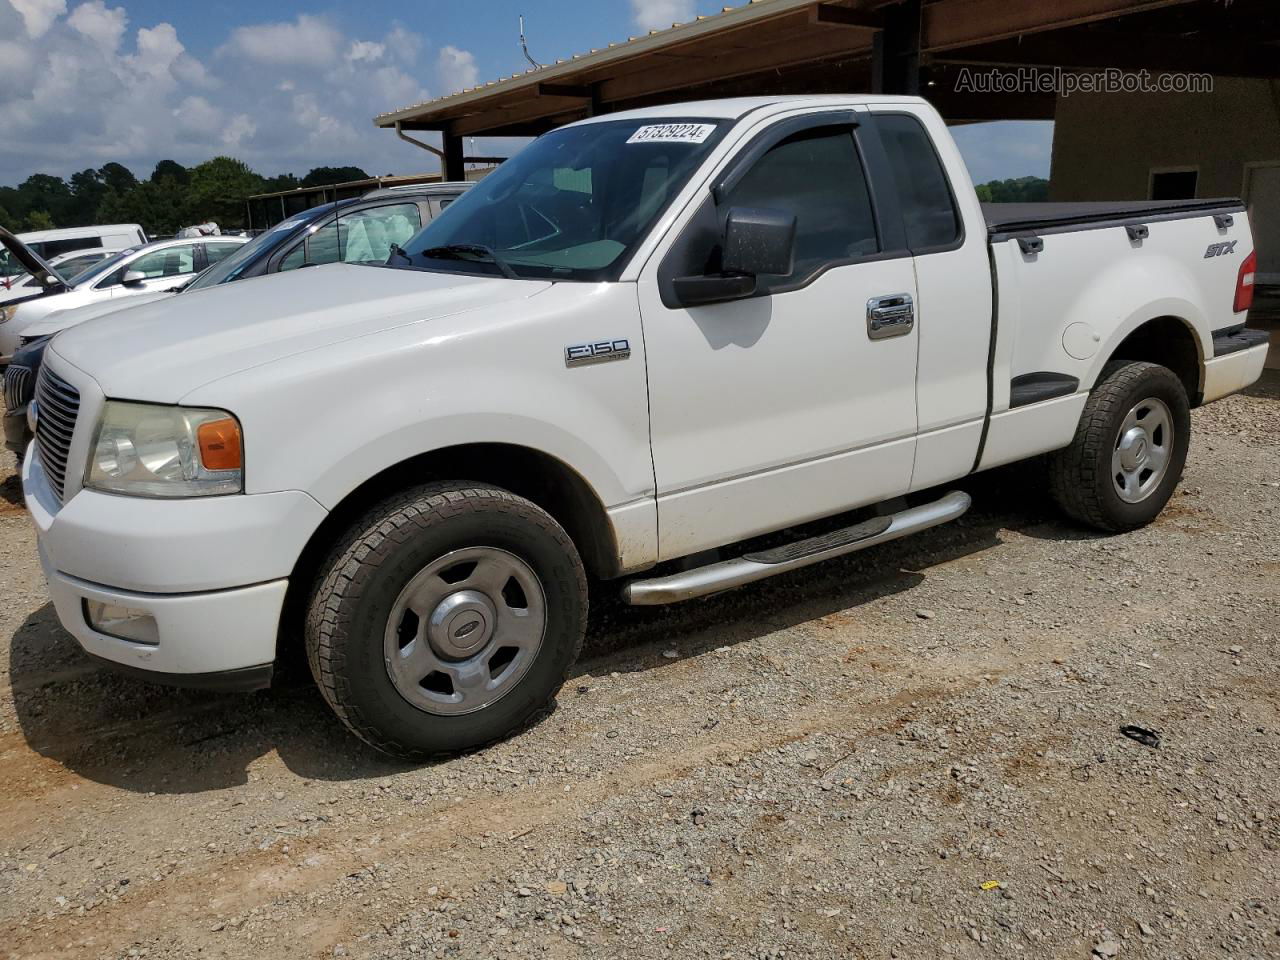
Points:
[163,350]
[73,316]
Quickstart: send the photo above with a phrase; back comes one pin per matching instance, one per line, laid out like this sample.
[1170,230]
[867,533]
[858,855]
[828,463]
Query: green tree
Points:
[320,176]
[1019,190]
[285,181]
[45,193]
[87,191]
[218,190]
[38,220]
[7,220]
[158,207]
[118,177]
[170,170]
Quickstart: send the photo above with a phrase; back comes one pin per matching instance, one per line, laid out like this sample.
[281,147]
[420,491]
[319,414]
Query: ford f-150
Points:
[638,347]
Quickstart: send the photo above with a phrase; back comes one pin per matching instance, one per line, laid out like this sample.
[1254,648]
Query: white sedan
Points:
[68,265]
[148,268]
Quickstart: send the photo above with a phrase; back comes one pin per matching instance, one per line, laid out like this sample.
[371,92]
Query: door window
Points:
[929,212]
[367,235]
[167,262]
[220,251]
[816,175]
[364,236]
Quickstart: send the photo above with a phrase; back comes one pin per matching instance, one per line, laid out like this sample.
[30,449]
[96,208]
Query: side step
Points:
[768,563]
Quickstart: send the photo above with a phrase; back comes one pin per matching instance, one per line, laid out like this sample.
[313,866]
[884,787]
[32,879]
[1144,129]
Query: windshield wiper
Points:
[455,251]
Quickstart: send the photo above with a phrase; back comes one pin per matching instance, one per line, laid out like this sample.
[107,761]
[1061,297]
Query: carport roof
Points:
[810,46]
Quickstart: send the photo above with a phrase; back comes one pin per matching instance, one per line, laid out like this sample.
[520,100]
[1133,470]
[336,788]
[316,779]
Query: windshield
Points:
[570,206]
[69,269]
[230,268]
[103,267]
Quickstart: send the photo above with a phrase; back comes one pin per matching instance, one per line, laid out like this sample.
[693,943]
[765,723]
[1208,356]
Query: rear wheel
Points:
[447,619]
[1129,448]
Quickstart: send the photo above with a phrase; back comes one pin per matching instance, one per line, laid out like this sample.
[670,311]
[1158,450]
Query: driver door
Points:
[785,406]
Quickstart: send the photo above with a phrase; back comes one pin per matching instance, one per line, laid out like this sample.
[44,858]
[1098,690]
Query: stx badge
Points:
[602,351]
[1218,249]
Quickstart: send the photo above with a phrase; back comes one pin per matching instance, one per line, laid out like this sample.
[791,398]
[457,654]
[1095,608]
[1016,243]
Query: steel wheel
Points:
[1143,450]
[465,630]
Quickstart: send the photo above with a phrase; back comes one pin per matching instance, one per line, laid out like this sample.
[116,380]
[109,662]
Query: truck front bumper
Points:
[209,574]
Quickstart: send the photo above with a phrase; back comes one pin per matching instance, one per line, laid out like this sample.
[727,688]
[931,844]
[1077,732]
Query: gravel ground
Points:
[913,752]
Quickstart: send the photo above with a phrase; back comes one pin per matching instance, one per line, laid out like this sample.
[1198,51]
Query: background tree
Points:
[285,181]
[320,176]
[118,177]
[218,190]
[1019,190]
[87,191]
[38,220]
[45,193]
[170,170]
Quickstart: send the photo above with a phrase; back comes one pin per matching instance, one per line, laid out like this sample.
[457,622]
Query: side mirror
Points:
[133,278]
[759,241]
[756,242]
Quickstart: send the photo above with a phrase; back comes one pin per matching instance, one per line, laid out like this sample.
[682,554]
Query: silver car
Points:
[148,268]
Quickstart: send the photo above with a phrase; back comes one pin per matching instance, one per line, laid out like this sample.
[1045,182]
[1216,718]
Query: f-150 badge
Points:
[602,351]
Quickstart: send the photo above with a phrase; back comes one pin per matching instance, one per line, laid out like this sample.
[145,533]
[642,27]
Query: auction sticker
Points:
[672,133]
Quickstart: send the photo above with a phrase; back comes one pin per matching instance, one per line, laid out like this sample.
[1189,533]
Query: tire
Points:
[443,548]
[1099,479]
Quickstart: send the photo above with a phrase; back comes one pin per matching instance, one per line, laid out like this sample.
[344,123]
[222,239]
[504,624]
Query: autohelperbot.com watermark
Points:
[1064,83]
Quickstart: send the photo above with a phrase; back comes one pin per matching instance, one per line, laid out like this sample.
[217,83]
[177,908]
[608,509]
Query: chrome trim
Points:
[890,316]
[734,573]
[17,382]
[59,407]
[601,351]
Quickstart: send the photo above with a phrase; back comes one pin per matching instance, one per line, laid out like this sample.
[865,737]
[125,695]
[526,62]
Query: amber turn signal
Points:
[219,442]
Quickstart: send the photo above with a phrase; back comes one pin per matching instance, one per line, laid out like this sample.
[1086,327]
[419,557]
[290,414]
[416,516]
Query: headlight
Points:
[148,450]
[8,313]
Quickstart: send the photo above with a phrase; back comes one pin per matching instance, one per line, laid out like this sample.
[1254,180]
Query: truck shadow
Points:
[137,736]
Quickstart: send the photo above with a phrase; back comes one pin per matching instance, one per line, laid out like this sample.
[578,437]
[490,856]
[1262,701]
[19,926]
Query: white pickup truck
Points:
[644,342]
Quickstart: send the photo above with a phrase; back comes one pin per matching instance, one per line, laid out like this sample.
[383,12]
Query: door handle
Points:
[890,316]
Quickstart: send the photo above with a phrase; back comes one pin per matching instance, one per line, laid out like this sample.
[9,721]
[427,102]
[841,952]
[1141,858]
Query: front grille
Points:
[17,387]
[57,404]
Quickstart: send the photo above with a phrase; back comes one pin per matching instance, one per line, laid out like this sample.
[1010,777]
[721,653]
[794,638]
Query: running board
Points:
[768,563]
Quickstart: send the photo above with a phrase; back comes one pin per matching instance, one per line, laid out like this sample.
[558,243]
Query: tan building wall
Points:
[1105,146]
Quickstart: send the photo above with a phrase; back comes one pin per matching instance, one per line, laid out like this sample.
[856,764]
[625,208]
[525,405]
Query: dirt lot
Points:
[910,753]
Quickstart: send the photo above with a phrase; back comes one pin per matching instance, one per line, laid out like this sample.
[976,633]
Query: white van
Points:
[51,243]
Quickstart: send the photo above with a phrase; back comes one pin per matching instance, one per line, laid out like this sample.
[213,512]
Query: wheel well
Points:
[528,473]
[1170,342]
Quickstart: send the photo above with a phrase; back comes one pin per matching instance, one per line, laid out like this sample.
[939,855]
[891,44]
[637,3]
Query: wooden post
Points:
[895,51]
[452,164]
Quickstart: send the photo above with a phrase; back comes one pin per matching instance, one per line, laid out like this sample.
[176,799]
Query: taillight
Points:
[1244,282]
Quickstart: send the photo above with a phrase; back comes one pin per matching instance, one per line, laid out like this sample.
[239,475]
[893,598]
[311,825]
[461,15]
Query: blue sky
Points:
[289,85]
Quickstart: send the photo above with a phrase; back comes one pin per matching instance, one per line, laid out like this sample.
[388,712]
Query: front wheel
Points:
[446,619]
[1129,448]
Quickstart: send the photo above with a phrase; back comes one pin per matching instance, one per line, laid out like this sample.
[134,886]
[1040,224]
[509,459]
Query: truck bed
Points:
[1005,219]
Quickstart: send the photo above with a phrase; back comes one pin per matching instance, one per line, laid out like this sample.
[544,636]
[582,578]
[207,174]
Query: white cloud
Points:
[307,41]
[103,25]
[455,69]
[38,15]
[404,44]
[238,129]
[94,87]
[365,50]
[660,14]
